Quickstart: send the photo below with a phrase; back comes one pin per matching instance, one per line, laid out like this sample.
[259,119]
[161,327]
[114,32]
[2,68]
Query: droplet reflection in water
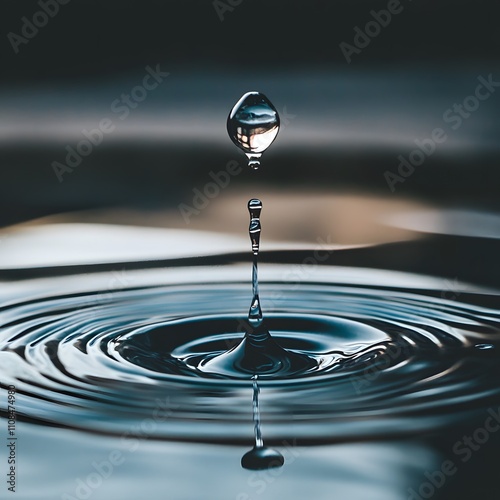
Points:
[252,125]
[260,457]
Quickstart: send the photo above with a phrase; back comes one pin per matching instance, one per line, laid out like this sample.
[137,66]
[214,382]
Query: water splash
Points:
[258,352]
[260,457]
[252,125]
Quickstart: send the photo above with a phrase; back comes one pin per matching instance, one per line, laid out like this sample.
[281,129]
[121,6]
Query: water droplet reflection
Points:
[252,125]
[260,457]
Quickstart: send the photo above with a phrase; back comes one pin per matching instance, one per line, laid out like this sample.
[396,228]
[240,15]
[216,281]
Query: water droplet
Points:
[253,163]
[255,208]
[253,124]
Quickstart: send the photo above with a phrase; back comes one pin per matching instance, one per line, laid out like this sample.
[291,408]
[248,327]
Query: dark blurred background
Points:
[343,124]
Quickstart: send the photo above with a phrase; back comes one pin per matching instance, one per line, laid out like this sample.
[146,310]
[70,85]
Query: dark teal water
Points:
[405,365]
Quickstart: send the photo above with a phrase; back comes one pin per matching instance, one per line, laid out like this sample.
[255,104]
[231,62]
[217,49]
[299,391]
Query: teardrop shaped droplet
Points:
[253,124]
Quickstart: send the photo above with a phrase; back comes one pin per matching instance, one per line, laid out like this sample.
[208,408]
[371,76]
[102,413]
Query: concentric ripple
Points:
[388,359]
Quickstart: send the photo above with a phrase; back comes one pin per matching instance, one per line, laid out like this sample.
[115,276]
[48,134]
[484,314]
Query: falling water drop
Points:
[253,124]
[260,457]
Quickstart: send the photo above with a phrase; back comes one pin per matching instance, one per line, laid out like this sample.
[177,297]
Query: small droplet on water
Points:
[260,457]
[252,125]
[254,208]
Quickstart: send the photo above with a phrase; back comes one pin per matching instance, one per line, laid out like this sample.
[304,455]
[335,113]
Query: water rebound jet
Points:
[253,124]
